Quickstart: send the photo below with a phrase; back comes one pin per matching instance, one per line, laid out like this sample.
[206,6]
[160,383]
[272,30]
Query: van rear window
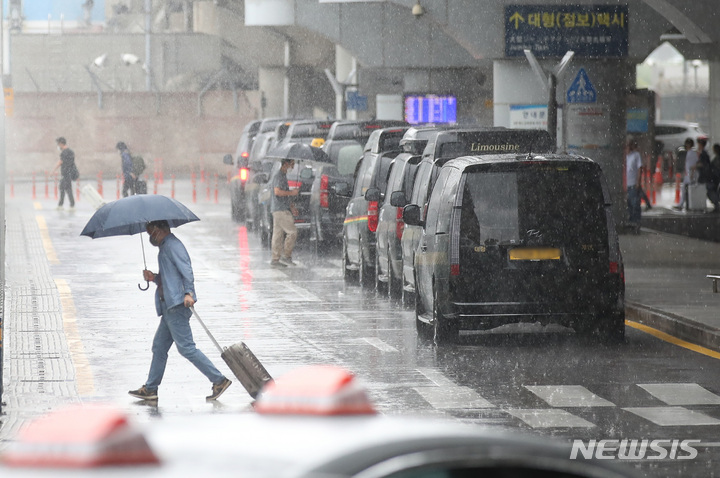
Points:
[534,205]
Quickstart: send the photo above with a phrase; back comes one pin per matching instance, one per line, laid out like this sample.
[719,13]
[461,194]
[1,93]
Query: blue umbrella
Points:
[130,215]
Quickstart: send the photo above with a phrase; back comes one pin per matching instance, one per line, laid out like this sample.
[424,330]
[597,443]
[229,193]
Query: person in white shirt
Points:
[690,177]
[633,176]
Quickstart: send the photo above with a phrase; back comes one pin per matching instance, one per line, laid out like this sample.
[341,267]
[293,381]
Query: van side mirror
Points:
[372,194]
[397,199]
[228,159]
[341,189]
[411,215]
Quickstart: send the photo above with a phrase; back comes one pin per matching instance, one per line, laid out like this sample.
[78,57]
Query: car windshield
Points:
[346,156]
[558,204]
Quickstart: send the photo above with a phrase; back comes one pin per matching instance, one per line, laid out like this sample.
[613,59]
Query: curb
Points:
[675,325]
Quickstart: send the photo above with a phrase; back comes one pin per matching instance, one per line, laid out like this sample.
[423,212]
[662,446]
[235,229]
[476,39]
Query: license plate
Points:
[535,254]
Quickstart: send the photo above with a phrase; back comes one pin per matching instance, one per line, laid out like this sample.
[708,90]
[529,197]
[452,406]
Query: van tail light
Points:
[373,216]
[616,268]
[455,231]
[243,174]
[399,224]
[324,191]
[245,155]
[294,184]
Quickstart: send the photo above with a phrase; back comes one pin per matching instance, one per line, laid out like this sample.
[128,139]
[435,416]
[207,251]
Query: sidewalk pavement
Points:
[665,272]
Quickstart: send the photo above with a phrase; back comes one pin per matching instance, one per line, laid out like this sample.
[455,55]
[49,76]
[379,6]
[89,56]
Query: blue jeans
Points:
[175,327]
[633,204]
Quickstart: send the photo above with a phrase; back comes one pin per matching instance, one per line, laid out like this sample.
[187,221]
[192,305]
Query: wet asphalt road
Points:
[542,380]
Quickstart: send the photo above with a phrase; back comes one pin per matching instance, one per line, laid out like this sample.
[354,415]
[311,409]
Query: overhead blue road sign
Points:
[356,101]
[591,31]
[581,90]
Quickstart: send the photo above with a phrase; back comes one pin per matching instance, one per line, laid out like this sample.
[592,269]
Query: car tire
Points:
[424,330]
[363,272]
[349,276]
[379,285]
[235,210]
[392,285]
[444,331]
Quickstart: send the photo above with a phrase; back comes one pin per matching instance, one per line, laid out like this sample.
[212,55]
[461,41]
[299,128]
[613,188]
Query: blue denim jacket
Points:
[175,275]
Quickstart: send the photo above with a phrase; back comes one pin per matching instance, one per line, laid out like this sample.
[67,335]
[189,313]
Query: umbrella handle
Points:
[146,287]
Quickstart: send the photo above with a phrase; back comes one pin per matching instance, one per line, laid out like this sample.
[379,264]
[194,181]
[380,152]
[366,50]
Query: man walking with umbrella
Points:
[174,296]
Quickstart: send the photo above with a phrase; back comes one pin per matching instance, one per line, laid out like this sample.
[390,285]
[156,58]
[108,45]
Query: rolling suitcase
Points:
[92,196]
[242,362]
[140,186]
[697,195]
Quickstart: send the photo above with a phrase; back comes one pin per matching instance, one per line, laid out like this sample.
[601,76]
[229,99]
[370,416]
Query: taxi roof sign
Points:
[315,390]
[79,436]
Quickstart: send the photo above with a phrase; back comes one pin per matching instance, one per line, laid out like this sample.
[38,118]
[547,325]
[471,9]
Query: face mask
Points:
[59,148]
[153,240]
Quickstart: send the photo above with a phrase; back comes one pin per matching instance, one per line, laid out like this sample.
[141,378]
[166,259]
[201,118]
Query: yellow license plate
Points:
[535,254]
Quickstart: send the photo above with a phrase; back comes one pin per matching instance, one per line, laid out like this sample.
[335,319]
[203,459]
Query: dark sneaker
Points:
[218,389]
[144,394]
[288,262]
[277,264]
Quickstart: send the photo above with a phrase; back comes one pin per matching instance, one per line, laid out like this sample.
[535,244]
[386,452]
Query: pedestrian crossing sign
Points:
[581,90]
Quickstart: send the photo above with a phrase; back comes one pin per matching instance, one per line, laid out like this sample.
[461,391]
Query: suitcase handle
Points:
[206,329]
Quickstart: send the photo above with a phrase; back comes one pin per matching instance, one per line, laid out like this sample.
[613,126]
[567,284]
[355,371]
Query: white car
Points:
[317,423]
[673,133]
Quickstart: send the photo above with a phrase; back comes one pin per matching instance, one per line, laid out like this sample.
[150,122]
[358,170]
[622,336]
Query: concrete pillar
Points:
[595,130]
[714,98]
[344,62]
[271,81]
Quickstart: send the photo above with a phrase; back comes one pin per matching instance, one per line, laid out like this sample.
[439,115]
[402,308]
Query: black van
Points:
[446,145]
[518,238]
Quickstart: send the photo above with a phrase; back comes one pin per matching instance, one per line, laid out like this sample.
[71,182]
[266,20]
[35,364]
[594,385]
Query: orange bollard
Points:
[194,188]
[33,185]
[207,197]
[55,181]
[172,186]
[47,186]
[117,184]
[160,170]
[677,188]
[100,183]
[77,190]
[216,188]
[155,186]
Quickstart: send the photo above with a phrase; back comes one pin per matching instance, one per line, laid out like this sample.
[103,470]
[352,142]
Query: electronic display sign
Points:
[430,109]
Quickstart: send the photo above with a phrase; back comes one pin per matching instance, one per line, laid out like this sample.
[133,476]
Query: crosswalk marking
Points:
[673,416]
[455,397]
[568,396]
[379,344]
[681,393]
[549,418]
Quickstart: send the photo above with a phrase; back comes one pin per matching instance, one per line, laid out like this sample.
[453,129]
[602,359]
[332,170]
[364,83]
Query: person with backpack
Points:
[127,169]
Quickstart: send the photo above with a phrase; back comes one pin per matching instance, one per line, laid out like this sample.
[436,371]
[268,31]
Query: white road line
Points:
[681,393]
[568,396]
[549,418]
[379,344]
[673,416]
[455,397]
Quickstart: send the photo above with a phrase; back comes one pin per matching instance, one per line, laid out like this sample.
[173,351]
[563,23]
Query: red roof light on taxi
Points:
[243,174]
[245,154]
[79,436]
[315,390]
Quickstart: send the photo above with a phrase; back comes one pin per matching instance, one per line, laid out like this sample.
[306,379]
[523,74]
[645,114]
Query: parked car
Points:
[673,133]
[388,263]
[304,131]
[365,200]
[446,145]
[240,161]
[300,176]
[259,168]
[518,238]
[344,145]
